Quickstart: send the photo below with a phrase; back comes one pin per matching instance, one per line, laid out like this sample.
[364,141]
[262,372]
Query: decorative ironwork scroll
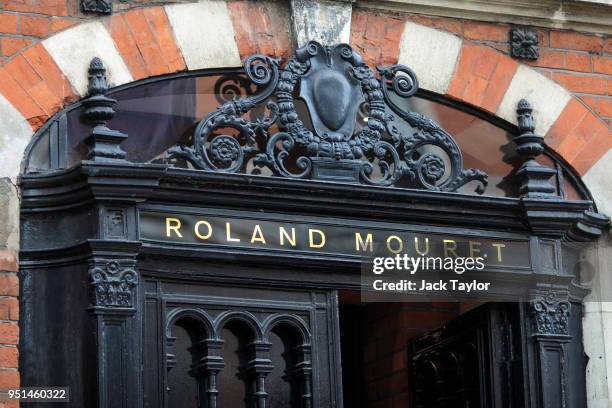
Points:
[328,143]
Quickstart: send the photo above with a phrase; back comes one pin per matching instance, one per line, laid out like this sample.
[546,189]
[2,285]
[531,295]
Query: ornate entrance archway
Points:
[147,276]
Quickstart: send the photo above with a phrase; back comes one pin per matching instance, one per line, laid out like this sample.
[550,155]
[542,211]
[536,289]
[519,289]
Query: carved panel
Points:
[113,285]
[549,261]
[524,43]
[114,223]
[259,352]
[550,315]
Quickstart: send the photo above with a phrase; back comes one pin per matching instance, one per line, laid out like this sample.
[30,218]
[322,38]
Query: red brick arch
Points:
[144,43]
[483,73]
[36,87]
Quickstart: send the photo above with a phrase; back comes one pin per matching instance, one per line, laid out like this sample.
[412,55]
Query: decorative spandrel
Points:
[328,143]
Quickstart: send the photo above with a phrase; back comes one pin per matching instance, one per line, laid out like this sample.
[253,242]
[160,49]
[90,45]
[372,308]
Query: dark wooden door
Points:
[231,347]
[472,362]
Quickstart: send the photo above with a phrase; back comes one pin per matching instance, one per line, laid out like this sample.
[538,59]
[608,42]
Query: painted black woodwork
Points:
[232,330]
[478,359]
[87,217]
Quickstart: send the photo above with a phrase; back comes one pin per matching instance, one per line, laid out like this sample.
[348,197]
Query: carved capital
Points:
[550,315]
[113,284]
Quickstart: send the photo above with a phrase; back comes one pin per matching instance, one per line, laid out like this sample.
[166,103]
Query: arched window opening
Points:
[160,113]
[185,376]
[236,385]
[287,380]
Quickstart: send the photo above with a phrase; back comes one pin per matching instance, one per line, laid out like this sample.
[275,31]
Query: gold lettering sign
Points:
[228,233]
[474,249]
[339,238]
[257,235]
[499,251]
[197,229]
[312,233]
[362,246]
[173,224]
[450,247]
[416,246]
[283,235]
[395,244]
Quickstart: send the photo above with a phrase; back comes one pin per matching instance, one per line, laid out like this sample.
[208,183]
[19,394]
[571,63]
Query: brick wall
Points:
[25,22]
[9,329]
[388,327]
[581,63]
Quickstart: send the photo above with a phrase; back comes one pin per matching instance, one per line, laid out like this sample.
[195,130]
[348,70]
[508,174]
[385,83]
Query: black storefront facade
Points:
[213,268]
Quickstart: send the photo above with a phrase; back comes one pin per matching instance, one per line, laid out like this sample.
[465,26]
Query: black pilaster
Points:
[113,283]
[548,317]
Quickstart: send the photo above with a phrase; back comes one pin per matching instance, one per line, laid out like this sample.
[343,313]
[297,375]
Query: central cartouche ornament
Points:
[335,85]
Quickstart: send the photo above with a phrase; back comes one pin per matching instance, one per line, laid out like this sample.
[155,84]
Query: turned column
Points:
[258,369]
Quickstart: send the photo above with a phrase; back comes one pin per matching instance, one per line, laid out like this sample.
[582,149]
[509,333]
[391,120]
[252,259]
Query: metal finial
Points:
[525,118]
[103,142]
[98,84]
[534,177]
[528,144]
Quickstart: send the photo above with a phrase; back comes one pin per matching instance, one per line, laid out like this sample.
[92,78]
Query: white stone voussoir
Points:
[547,98]
[15,133]
[597,180]
[205,34]
[431,53]
[74,49]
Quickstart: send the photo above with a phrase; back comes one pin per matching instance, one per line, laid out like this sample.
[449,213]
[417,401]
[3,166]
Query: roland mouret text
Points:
[344,239]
